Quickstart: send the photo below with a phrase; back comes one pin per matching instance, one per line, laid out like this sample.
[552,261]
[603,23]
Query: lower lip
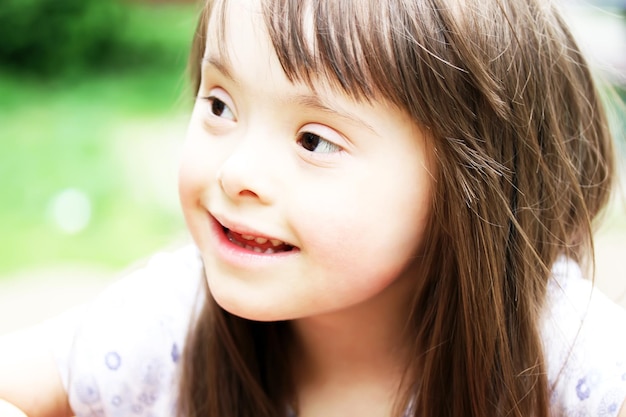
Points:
[237,256]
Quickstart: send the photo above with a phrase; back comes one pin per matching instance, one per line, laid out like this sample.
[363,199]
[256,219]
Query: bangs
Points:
[347,45]
[395,51]
[368,50]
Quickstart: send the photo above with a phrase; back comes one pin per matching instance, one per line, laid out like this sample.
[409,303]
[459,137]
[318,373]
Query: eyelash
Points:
[309,139]
[218,107]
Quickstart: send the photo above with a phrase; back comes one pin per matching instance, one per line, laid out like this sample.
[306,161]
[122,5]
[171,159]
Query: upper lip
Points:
[242,229]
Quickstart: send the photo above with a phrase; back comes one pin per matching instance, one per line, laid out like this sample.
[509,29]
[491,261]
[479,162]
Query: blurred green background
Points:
[93,106]
[93,109]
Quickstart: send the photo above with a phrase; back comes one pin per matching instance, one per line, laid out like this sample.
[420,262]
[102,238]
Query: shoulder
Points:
[124,351]
[584,335]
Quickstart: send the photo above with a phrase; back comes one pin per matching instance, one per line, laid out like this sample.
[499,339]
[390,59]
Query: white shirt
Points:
[120,355]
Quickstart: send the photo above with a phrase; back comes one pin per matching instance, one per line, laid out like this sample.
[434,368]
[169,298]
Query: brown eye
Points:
[220,109]
[315,143]
[309,141]
[217,107]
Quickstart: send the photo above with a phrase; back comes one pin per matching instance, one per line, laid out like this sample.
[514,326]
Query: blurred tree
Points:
[51,37]
[47,36]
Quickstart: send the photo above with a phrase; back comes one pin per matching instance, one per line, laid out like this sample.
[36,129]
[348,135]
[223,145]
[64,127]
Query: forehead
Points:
[317,43]
[238,46]
[226,21]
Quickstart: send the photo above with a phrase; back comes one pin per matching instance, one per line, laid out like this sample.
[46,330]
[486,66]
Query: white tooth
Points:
[257,249]
[276,242]
[269,251]
[260,240]
[248,247]
[247,237]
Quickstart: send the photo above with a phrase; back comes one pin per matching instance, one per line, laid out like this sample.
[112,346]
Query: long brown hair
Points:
[525,163]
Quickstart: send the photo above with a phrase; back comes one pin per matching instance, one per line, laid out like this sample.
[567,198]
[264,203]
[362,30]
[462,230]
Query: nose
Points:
[245,174]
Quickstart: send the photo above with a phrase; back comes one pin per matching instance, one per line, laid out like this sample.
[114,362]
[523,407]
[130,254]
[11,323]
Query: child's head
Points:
[333,193]
[512,160]
[500,87]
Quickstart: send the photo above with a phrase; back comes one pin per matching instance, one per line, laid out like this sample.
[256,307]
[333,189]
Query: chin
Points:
[247,309]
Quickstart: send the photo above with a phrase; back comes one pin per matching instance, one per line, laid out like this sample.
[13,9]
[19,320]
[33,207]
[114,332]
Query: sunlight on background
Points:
[70,211]
[600,27]
[93,108]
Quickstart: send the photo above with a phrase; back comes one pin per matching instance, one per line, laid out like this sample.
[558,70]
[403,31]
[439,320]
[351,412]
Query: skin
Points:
[271,159]
[248,166]
[9,410]
[29,378]
[353,206]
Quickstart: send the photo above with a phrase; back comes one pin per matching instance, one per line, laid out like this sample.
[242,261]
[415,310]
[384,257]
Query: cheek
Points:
[195,175]
[188,180]
[366,231]
[189,193]
[196,167]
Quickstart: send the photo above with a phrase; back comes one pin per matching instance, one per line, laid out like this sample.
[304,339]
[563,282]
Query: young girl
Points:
[390,201]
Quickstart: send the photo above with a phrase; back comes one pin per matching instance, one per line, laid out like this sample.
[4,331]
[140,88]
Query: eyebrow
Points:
[314,102]
[220,64]
[310,101]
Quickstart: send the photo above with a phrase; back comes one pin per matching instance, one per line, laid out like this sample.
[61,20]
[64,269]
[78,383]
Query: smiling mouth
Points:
[257,244]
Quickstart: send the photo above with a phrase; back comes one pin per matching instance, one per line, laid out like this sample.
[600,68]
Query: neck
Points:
[352,362]
[365,342]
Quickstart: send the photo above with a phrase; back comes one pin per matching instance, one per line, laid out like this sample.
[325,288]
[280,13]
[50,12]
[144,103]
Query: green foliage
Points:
[48,35]
[96,135]
[51,37]
[96,130]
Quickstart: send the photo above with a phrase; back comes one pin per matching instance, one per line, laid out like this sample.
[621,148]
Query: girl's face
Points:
[301,202]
